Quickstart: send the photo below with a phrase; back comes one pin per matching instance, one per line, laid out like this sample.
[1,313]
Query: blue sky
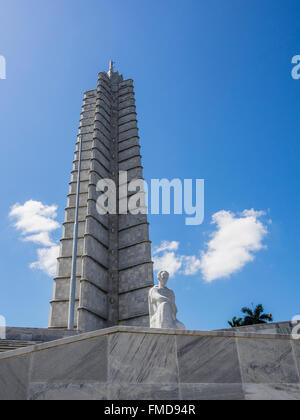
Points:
[215,100]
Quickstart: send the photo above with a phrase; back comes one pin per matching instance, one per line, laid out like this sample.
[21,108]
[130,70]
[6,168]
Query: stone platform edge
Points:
[78,337]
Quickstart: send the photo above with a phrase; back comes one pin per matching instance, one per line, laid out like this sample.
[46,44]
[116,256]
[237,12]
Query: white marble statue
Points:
[162,306]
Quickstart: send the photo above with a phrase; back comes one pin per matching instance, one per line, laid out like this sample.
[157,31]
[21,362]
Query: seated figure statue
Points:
[162,306]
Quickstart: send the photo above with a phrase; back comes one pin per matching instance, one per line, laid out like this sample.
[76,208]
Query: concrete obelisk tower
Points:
[114,268]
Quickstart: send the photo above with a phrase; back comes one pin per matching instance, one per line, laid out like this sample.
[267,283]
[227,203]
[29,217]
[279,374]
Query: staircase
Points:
[7,345]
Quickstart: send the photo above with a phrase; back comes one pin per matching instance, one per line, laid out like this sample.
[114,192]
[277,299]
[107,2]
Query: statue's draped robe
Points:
[162,309]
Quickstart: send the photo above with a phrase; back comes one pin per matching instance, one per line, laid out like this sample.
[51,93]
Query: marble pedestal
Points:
[136,363]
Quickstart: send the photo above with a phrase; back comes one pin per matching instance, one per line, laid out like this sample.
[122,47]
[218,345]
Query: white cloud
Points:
[233,244]
[174,262]
[192,265]
[166,246]
[47,258]
[42,238]
[36,221]
[164,256]
[168,261]
[34,216]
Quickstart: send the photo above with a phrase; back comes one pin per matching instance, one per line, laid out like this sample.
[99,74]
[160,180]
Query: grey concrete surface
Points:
[110,247]
[135,363]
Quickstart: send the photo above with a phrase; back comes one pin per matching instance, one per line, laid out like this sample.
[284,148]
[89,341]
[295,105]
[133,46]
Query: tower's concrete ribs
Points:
[114,268]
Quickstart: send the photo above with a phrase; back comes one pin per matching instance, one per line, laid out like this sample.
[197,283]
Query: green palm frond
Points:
[258,311]
[248,311]
[235,322]
[267,317]
[251,317]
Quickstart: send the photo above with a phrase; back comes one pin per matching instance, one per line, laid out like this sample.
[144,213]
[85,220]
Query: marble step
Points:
[7,345]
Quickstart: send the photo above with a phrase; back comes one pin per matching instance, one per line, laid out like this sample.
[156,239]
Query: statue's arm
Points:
[151,304]
[157,298]
[175,309]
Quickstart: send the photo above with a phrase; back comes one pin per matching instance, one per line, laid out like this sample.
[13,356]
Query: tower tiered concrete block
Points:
[114,267]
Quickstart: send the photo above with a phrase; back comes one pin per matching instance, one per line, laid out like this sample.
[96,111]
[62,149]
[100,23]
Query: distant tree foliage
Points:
[235,322]
[252,316]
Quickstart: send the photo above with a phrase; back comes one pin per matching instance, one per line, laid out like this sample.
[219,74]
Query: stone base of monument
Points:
[37,334]
[133,363]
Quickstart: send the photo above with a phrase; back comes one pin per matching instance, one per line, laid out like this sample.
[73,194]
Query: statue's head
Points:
[163,277]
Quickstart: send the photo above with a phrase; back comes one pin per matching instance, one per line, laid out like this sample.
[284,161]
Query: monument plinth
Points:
[135,363]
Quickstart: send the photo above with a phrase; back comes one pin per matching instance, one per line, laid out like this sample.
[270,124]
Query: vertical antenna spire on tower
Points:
[111,68]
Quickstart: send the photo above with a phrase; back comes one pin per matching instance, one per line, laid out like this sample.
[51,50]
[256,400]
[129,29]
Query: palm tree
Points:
[256,316]
[235,322]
